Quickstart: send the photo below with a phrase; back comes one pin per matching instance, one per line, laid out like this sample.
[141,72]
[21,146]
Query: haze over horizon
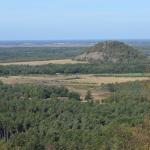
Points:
[74,20]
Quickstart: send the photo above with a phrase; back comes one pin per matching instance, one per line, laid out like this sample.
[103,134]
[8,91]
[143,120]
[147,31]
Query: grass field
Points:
[78,83]
[35,63]
[124,75]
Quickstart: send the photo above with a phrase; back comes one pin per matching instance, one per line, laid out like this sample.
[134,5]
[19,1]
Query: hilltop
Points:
[111,51]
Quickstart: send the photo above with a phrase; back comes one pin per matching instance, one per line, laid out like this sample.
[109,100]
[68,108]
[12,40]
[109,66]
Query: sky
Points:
[74,19]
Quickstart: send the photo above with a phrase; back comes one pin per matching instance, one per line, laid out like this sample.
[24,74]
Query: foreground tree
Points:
[88,96]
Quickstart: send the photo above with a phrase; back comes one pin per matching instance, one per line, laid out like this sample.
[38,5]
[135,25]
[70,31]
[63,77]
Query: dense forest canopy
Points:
[76,68]
[29,121]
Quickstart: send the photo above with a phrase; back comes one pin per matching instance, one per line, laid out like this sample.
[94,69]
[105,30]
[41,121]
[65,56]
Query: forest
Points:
[143,67]
[33,117]
[12,54]
[52,116]
[74,75]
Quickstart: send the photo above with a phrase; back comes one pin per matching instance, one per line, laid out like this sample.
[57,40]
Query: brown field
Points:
[78,83]
[44,62]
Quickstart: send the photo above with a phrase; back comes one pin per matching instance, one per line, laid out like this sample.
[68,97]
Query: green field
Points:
[124,75]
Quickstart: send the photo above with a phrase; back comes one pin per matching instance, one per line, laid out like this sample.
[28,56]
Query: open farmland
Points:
[78,83]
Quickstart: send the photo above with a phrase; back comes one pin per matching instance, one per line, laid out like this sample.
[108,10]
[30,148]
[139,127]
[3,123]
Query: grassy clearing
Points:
[78,83]
[35,63]
[124,75]
[71,79]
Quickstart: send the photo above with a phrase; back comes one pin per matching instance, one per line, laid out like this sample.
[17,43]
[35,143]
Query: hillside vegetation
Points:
[111,52]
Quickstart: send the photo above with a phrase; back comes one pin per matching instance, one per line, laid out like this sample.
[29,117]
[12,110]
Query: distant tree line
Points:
[75,69]
[9,54]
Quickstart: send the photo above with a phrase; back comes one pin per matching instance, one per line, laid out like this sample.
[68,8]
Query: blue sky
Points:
[74,19]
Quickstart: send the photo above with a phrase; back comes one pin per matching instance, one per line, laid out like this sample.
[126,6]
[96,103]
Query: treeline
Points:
[75,69]
[31,122]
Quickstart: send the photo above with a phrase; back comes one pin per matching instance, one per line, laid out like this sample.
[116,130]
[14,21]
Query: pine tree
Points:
[88,96]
